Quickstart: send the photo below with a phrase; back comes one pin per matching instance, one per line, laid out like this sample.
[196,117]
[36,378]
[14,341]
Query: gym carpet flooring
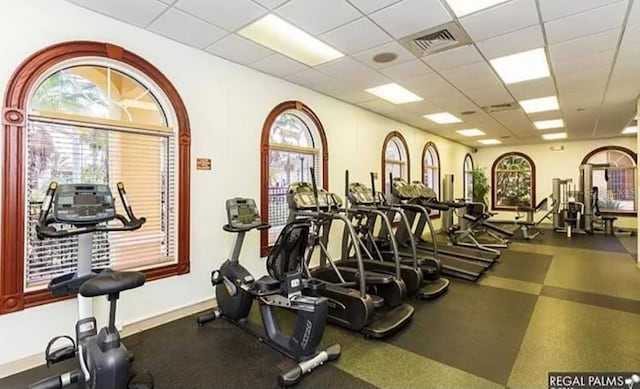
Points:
[553,304]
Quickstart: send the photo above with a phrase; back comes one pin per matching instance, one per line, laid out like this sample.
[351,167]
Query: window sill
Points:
[43,296]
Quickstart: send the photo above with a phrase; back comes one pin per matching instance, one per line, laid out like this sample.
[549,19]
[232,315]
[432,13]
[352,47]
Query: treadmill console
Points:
[359,194]
[402,190]
[243,213]
[301,197]
[423,191]
[83,204]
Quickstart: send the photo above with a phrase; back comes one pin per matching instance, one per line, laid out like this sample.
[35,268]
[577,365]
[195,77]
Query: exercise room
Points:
[353,194]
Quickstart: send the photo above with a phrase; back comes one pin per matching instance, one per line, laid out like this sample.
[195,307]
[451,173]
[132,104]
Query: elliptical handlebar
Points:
[45,230]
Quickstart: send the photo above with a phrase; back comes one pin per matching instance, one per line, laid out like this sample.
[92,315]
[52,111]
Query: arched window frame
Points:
[467,177]
[404,151]
[284,107]
[634,157]
[12,229]
[431,148]
[493,180]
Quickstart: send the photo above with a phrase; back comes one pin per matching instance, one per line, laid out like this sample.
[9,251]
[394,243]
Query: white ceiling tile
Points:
[411,16]
[479,70]
[501,19]
[634,15]
[238,49]
[366,57]
[369,6]
[585,46]
[406,71]
[586,23]
[459,56]
[511,43]
[356,36]
[353,95]
[229,15]
[631,35]
[571,64]
[554,9]
[310,78]
[489,96]
[352,73]
[378,105]
[278,65]
[270,4]
[187,29]
[139,13]
[318,16]
[430,85]
[532,89]
[420,108]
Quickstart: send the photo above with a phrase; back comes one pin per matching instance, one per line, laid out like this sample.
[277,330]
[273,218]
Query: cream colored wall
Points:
[554,164]
[227,105]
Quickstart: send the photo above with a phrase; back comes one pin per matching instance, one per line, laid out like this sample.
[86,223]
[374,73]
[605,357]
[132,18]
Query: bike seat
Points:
[265,286]
[111,282]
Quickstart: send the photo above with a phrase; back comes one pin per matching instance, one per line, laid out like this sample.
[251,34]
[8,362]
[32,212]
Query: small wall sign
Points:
[203,163]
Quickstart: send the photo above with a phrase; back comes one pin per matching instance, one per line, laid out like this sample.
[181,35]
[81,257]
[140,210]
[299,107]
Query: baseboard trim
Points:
[32,361]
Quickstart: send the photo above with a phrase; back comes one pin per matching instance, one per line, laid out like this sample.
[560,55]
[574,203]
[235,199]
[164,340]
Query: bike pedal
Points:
[61,355]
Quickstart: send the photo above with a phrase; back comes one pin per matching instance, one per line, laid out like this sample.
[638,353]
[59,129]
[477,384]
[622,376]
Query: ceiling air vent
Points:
[437,39]
[501,107]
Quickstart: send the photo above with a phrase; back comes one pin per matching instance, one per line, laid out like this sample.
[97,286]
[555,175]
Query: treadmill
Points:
[350,289]
[405,195]
[428,198]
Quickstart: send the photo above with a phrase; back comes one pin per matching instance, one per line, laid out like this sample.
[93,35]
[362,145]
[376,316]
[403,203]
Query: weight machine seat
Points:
[111,282]
[608,217]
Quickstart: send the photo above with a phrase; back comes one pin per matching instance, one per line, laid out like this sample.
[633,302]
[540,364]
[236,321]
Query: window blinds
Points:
[144,160]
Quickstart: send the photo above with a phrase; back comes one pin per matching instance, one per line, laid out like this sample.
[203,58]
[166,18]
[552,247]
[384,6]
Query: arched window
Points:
[395,158]
[467,174]
[87,112]
[513,181]
[431,170]
[614,173]
[293,141]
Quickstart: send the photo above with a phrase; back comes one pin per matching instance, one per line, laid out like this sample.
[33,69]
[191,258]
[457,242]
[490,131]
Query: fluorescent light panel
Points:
[490,142]
[525,66]
[542,104]
[443,118]
[394,93]
[548,124]
[630,130]
[279,35]
[465,7]
[470,132]
[557,135]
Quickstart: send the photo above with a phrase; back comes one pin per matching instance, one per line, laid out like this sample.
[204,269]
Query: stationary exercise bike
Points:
[283,287]
[103,360]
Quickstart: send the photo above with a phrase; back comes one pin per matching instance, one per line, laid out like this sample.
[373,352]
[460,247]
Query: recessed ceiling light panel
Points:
[542,104]
[555,136]
[443,118]
[630,130]
[525,66]
[394,93]
[470,132]
[548,124]
[283,37]
[489,142]
[465,7]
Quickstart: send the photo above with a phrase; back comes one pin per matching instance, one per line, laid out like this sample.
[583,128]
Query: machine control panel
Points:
[83,204]
[401,189]
[360,194]
[243,213]
[423,191]
[301,197]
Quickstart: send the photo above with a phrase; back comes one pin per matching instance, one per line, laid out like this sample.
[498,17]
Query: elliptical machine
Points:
[283,287]
[104,361]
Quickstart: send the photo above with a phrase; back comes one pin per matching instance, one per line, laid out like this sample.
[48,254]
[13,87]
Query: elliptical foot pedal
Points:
[433,289]
[377,300]
[142,380]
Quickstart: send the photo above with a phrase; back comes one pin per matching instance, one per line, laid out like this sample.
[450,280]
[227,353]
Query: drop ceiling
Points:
[592,46]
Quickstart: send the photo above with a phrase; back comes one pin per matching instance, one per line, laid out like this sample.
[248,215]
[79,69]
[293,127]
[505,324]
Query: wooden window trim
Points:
[436,214]
[632,155]
[264,158]
[14,120]
[464,173]
[383,157]
[493,180]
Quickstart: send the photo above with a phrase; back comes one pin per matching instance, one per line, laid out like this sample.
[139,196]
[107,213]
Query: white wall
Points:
[554,164]
[227,105]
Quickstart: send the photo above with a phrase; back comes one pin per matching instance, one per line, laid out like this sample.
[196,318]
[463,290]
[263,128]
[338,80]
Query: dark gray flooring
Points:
[524,266]
[580,241]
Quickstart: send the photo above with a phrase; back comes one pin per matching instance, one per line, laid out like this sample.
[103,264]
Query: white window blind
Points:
[71,151]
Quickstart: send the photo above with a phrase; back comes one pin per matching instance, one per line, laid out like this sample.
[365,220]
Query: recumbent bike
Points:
[283,287]
[104,362]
